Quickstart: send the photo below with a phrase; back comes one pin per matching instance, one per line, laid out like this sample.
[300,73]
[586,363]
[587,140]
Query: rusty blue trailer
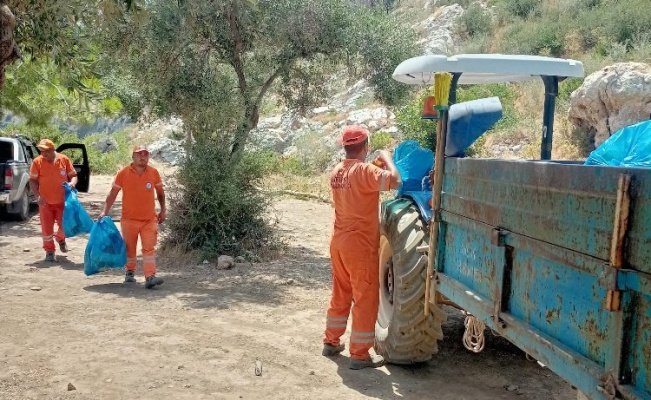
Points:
[556,258]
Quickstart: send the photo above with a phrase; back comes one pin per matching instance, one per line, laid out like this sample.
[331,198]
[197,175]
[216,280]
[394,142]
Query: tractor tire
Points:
[403,333]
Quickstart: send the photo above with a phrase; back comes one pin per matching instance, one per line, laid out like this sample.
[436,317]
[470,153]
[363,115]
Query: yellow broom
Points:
[442,82]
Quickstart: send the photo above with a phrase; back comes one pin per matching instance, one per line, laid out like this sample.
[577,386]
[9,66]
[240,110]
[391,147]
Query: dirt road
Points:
[199,335]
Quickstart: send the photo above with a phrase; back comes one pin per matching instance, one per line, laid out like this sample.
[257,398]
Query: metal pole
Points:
[551,91]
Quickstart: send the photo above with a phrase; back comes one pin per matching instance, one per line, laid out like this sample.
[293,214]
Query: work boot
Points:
[372,362]
[63,246]
[129,277]
[152,281]
[49,256]
[330,350]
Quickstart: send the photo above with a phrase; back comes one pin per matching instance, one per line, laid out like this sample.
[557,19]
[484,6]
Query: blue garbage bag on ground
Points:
[628,147]
[76,220]
[414,163]
[105,248]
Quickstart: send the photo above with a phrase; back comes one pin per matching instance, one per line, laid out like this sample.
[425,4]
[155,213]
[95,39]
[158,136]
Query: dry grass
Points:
[315,187]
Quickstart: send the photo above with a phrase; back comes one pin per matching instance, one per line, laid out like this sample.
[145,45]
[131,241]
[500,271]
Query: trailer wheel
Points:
[403,334]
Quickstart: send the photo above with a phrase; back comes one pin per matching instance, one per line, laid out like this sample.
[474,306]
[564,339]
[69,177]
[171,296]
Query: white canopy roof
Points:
[485,68]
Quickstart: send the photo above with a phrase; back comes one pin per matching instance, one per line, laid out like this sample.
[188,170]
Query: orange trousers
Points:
[148,232]
[355,279]
[50,213]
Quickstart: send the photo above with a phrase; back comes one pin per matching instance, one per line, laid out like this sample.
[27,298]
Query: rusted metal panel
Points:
[571,206]
[535,249]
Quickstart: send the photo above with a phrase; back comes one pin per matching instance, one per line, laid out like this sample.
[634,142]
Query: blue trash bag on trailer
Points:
[414,164]
[76,220]
[628,147]
[105,248]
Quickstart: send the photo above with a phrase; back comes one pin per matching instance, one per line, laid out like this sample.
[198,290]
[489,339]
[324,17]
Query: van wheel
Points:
[403,334]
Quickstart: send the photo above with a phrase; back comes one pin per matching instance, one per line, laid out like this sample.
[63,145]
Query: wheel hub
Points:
[390,283]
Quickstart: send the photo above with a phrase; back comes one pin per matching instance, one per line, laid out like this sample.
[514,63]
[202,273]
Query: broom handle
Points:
[436,204]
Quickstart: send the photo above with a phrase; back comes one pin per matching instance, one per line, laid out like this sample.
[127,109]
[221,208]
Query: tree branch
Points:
[236,57]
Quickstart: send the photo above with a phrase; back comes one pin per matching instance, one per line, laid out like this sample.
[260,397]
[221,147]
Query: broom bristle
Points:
[442,81]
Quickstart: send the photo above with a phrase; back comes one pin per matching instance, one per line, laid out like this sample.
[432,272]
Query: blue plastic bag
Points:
[628,147]
[76,220]
[105,248]
[414,163]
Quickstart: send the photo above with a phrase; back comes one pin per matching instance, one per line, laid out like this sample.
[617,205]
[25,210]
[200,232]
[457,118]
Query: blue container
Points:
[469,120]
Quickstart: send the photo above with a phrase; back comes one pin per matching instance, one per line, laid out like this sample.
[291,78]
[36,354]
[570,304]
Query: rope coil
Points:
[473,336]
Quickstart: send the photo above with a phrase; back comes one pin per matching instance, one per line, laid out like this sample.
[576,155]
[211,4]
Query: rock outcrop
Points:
[612,98]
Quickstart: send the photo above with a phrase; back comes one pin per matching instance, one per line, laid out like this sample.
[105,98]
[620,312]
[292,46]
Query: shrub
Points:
[220,210]
[522,8]
[380,140]
[412,127]
[475,22]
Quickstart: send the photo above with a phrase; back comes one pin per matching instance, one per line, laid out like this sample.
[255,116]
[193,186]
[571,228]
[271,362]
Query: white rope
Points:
[473,337]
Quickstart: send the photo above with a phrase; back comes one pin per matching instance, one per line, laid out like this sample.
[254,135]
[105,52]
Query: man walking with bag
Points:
[356,187]
[46,177]
[138,183]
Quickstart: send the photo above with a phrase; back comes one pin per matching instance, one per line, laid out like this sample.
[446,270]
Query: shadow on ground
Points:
[204,286]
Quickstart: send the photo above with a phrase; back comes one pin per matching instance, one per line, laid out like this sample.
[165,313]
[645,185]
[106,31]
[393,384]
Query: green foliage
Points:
[538,38]
[188,63]
[312,154]
[475,22]
[110,162]
[380,140]
[412,127]
[220,210]
[522,8]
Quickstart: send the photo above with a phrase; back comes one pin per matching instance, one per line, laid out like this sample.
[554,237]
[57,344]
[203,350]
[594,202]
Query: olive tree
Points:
[217,60]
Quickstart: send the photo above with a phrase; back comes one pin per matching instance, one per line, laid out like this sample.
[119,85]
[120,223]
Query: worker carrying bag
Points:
[105,248]
[76,220]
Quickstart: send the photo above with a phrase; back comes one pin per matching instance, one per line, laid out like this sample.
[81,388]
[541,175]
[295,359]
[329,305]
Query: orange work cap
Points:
[45,144]
[353,134]
[139,148]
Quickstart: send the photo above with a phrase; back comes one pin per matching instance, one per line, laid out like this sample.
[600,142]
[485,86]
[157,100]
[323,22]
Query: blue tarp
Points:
[105,248]
[76,220]
[414,163]
[628,147]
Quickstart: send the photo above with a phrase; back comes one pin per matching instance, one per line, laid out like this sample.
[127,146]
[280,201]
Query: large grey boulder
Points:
[612,98]
[106,145]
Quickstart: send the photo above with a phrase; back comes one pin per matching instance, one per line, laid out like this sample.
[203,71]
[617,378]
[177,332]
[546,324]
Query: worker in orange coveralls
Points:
[46,177]
[356,187]
[138,182]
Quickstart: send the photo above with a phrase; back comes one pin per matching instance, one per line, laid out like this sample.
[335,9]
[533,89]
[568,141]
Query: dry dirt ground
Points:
[199,335]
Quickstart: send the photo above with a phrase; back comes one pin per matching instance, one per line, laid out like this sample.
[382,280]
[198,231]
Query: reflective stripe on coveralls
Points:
[50,213]
[148,232]
[355,278]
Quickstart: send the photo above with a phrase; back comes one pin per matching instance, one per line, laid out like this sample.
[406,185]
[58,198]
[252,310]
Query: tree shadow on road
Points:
[62,262]
[203,286]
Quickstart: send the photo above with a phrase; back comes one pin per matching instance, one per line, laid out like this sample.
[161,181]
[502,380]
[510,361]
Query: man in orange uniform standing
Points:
[46,177]
[356,187]
[138,182]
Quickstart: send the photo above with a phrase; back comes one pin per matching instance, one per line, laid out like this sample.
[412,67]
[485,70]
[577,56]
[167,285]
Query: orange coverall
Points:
[50,177]
[354,245]
[139,215]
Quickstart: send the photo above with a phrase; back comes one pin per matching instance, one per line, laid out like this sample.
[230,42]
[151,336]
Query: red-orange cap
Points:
[139,148]
[45,144]
[353,134]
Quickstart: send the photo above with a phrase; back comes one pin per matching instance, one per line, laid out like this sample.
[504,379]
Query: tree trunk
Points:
[9,51]
[249,122]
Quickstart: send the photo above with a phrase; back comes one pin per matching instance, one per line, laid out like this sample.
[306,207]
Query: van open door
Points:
[78,154]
